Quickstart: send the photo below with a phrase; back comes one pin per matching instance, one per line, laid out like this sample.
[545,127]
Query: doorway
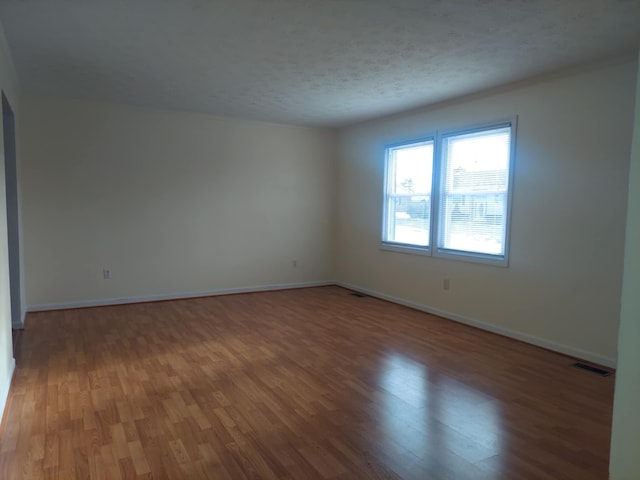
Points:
[13,222]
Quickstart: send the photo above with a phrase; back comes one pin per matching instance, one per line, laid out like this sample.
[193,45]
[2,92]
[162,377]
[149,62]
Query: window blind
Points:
[474,191]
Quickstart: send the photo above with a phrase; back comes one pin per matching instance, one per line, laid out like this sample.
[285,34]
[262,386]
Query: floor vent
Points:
[589,368]
[357,294]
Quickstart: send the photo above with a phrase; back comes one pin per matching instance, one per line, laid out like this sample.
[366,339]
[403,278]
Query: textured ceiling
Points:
[307,62]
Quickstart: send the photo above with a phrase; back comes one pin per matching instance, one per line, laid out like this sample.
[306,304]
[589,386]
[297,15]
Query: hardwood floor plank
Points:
[312,383]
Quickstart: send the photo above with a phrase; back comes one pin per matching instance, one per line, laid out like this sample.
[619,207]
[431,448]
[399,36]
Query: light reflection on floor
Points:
[436,418]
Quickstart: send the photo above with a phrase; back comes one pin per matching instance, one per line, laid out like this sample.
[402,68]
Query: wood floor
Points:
[301,384]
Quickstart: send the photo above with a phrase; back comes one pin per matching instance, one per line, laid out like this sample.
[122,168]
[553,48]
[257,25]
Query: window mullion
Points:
[435,194]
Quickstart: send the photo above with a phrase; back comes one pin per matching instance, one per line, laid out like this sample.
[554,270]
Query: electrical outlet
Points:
[445,284]
[106,273]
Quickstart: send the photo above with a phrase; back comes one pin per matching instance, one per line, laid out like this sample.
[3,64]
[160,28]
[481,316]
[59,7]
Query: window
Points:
[408,194]
[469,215]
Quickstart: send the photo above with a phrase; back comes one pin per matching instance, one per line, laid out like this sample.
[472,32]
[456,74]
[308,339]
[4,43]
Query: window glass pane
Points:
[408,202]
[410,220]
[474,199]
[413,168]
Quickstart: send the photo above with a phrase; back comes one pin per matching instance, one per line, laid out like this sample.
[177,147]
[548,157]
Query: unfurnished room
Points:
[320,239]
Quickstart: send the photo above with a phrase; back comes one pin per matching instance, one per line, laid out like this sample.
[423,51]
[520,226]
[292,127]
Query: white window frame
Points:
[434,248]
[398,246]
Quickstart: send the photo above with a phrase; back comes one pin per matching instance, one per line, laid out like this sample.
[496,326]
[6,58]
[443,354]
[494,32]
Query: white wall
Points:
[625,437]
[9,84]
[171,202]
[562,286]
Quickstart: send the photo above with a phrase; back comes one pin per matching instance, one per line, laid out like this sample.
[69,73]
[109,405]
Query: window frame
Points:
[399,246]
[434,249]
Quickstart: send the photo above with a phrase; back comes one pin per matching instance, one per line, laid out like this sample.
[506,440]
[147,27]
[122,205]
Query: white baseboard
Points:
[4,394]
[540,342]
[20,325]
[172,296]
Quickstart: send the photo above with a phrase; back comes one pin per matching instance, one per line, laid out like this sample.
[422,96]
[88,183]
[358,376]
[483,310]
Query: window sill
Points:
[400,248]
[472,258]
[446,254]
